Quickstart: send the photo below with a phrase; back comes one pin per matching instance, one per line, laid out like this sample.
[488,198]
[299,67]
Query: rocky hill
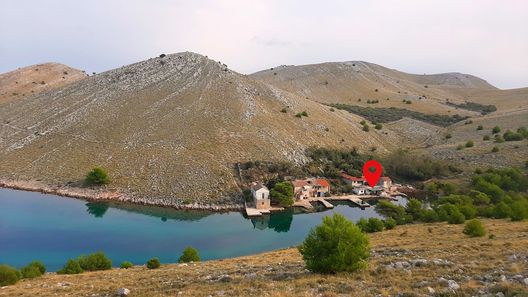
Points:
[34,79]
[410,260]
[169,130]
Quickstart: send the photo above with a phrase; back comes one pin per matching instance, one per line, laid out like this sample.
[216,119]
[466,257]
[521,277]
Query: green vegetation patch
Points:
[391,114]
[483,109]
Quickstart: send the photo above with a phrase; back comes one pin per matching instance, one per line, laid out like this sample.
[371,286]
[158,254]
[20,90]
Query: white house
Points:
[260,196]
[360,191]
[385,182]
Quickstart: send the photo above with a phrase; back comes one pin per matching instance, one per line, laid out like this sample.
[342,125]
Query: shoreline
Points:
[91,194]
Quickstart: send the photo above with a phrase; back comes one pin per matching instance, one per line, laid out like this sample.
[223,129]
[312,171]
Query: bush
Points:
[335,245]
[94,262]
[474,228]
[362,122]
[391,210]
[486,137]
[512,136]
[389,223]
[153,263]
[414,209]
[8,275]
[366,128]
[190,254]
[126,264]
[97,177]
[456,218]
[284,110]
[496,130]
[378,126]
[469,143]
[479,127]
[282,194]
[448,136]
[499,139]
[429,216]
[495,149]
[502,211]
[304,114]
[33,269]
[375,225]
[519,210]
[71,267]
[459,147]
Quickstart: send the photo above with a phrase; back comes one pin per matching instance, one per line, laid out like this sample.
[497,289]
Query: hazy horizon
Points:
[488,39]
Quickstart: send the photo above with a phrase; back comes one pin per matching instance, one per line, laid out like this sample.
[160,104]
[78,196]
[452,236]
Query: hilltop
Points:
[411,260]
[34,79]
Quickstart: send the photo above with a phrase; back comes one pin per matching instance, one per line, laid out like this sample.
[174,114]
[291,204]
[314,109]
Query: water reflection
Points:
[277,221]
[97,209]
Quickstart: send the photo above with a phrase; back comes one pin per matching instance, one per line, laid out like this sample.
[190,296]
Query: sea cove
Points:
[35,226]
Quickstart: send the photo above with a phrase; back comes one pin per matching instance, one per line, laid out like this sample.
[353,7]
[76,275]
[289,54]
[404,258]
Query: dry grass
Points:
[282,273]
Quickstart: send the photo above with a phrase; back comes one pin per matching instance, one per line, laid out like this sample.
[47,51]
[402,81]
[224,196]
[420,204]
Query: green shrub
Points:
[495,149]
[429,216]
[474,228]
[496,130]
[362,122]
[512,136]
[459,147]
[502,211]
[469,143]
[523,131]
[71,267]
[97,177]
[486,137]
[408,102]
[8,275]
[362,224]
[456,218]
[190,254]
[483,109]
[94,262]
[448,136]
[479,127]
[519,210]
[299,115]
[389,223]
[304,114]
[335,245]
[391,210]
[366,128]
[375,225]
[378,126]
[332,109]
[282,194]
[33,269]
[414,209]
[499,139]
[126,264]
[284,110]
[153,263]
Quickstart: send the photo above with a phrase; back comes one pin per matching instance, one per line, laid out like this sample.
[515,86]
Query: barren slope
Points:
[34,79]
[169,130]
[347,82]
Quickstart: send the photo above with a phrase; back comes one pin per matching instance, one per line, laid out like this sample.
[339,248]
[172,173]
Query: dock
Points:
[254,212]
[354,199]
[325,203]
[304,204]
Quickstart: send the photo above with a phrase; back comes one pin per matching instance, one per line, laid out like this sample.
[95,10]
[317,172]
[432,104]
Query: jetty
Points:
[254,212]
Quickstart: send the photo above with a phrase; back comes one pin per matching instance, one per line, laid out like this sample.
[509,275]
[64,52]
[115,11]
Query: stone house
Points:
[352,180]
[310,188]
[260,195]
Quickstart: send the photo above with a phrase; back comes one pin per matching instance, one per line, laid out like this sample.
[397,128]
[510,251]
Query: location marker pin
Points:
[372,177]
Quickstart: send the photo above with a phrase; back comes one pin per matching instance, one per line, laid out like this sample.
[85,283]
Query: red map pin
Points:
[372,177]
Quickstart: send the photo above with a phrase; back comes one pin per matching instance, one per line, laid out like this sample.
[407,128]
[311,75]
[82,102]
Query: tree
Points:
[282,194]
[8,275]
[97,177]
[335,245]
[474,228]
[190,254]
[33,269]
[126,264]
[414,208]
[378,126]
[71,267]
[390,223]
[94,262]
[153,263]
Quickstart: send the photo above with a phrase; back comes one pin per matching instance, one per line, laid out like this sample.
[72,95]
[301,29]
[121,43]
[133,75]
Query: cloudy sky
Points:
[485,38]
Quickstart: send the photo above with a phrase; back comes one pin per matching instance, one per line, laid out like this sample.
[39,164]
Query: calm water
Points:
[49,228]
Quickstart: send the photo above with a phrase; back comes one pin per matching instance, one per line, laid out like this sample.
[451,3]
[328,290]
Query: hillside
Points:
[357,83]
[411,260]
[170,128]
[34,79]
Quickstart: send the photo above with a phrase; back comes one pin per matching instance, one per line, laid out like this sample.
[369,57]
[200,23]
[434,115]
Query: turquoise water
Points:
[35,226]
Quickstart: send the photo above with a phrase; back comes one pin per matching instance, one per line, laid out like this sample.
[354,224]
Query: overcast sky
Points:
[485,38]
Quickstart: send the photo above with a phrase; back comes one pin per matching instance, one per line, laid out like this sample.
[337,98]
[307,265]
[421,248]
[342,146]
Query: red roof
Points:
[352,178]
[322,182]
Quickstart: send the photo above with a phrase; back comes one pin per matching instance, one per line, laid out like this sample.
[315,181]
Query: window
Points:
[263,196]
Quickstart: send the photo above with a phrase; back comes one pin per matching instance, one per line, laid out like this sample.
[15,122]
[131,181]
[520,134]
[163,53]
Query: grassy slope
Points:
[282,273]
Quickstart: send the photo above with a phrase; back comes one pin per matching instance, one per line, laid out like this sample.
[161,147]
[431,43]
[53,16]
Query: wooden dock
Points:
[354,199]
[254,212]
[304,204]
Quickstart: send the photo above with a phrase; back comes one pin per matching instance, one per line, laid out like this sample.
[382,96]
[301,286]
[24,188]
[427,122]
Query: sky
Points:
[485,38]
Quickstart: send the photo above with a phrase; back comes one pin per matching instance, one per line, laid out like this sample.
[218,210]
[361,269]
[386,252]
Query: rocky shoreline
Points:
[92,194]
